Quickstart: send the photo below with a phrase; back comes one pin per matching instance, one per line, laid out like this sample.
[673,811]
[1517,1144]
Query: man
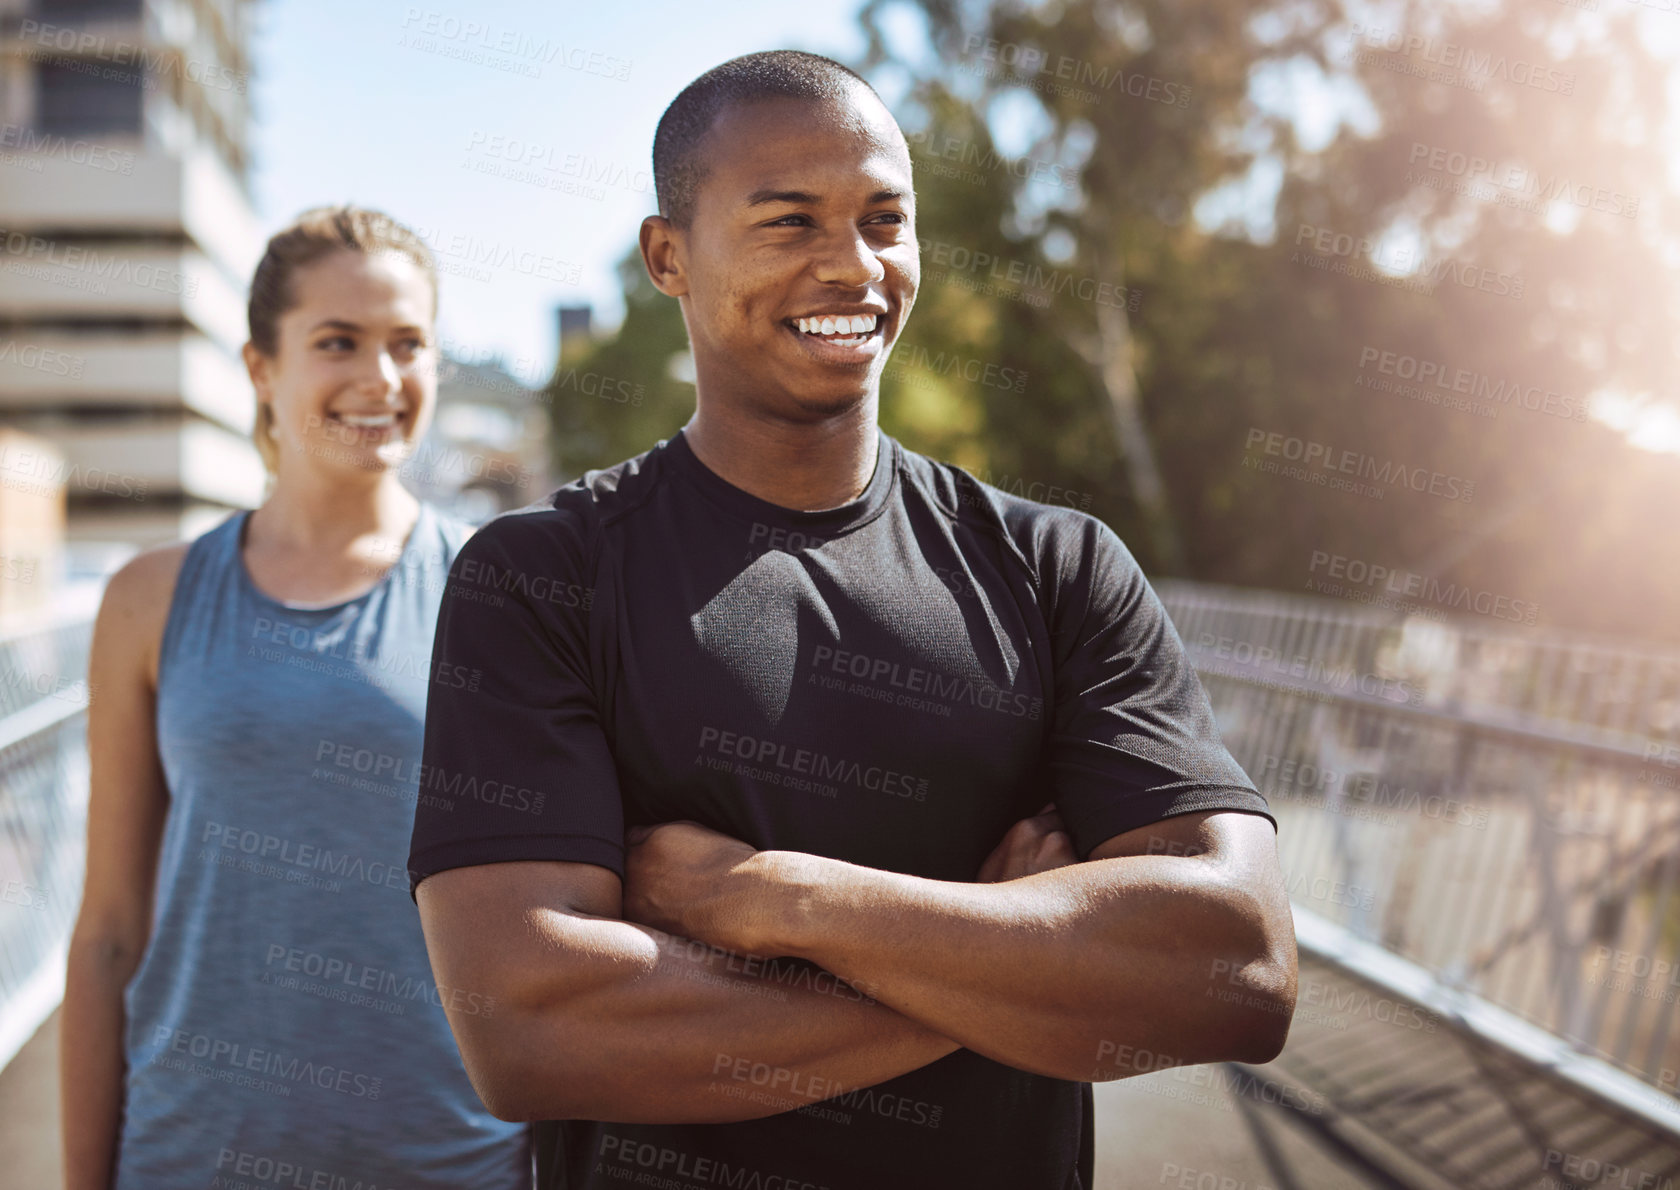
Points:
[816,676]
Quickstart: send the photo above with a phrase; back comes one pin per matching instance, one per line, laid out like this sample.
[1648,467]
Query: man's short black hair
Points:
[677,166]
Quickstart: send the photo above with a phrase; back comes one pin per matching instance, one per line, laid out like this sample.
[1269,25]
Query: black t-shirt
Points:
[893,682]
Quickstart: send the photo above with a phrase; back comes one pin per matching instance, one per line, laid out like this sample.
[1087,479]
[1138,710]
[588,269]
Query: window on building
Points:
[86,98]
[67,11]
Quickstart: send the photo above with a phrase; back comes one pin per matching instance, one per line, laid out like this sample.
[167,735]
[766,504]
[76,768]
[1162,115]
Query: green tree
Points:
[1479,192]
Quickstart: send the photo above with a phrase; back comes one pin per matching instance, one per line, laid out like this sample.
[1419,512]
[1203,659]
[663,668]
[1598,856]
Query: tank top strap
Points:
[202,591]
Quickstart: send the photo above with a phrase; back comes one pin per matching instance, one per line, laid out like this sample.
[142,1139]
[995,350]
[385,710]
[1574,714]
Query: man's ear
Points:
[663,249]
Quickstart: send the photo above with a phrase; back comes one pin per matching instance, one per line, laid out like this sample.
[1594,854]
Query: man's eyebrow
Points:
[759,198]
[338,324]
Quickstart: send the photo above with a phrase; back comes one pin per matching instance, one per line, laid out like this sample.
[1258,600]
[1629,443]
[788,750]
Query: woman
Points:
[248,999]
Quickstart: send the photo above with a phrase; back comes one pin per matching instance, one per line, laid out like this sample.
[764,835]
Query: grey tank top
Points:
[283,1028]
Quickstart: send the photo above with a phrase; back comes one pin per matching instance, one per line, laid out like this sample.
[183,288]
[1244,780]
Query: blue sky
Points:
[529,189]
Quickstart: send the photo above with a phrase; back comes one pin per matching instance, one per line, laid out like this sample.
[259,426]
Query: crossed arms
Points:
[623,1001]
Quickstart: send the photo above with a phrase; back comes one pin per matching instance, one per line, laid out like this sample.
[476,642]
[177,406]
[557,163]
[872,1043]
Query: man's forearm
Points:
[650,1027]
[1052,973]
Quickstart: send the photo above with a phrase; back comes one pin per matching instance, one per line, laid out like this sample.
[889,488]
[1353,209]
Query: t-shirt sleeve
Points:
[1133,736]
[515,764]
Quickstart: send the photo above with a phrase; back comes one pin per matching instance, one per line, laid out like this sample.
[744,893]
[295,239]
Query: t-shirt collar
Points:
[744,504]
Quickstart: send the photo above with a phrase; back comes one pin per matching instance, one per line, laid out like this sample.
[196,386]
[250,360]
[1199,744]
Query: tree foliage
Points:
[1169,248]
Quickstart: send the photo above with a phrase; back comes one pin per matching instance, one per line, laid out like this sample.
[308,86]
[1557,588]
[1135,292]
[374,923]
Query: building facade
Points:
[127,237]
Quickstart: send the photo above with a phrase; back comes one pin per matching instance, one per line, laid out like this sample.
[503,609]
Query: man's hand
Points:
[1032,845]
[692,881]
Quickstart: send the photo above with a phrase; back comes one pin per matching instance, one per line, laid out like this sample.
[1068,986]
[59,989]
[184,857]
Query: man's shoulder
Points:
[1045,522]
[578,509]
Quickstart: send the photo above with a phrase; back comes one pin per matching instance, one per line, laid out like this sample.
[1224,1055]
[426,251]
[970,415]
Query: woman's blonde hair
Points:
[316,233]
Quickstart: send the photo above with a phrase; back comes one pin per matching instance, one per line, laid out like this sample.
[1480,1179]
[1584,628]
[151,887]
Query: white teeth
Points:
[829,324]
[367,421]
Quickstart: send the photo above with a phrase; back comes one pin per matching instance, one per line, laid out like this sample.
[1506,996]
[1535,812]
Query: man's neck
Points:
[808,467]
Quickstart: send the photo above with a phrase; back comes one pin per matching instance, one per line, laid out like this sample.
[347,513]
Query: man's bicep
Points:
[1244,837]
[1241,848]
[507,942]
[491,928]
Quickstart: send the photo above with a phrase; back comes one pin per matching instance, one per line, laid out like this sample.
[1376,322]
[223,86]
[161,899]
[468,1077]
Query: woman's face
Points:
[353,380]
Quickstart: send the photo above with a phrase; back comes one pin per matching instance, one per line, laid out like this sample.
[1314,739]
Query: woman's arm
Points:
[128,802]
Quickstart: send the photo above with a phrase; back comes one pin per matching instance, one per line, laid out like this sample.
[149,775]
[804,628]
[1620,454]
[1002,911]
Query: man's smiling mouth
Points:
[839,328]
[840,337]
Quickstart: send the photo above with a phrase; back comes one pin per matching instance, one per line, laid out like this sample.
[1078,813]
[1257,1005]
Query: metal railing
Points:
[43,810]
[1499,806]
[1470,665]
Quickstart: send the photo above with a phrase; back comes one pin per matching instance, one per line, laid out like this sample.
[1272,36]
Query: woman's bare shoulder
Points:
[147,580]
[135,608]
